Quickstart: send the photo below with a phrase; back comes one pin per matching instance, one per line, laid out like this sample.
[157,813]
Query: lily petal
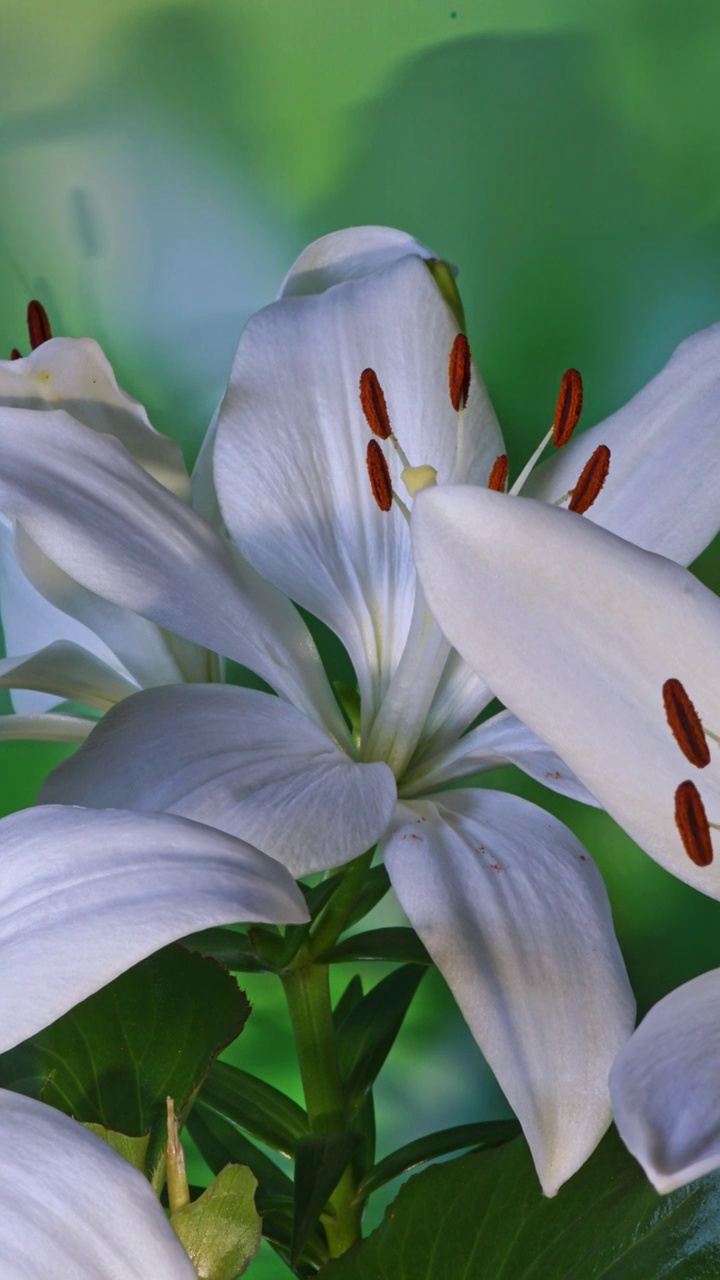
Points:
[290,453]
[241,760]
[105,522]
[663,491]
[577,631]
[349,254]
[86,894]
[45,727]
[71,1207]
[516,917]
[71,672]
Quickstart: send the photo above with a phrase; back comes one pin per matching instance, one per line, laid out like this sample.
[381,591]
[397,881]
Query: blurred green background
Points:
[162,163]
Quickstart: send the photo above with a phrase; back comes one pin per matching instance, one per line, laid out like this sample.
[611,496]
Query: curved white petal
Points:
[577,631]
[290,453]
[72,1208]
[104,521]
[45,727]
[460,696]
[240,760]
[74,374]
[349,254]
[663,490]
[665,1087]
[86,894]
[70,672]
[516,917]
[499,741]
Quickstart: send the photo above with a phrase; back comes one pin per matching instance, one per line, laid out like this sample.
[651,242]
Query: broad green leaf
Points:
[231,948]
[320,1162]
[114,1058]
[255,1107]
[351,996]
[483,1216]
[221,1230]
[488,1133]
[398,945]
[368,1033]
[134,1150]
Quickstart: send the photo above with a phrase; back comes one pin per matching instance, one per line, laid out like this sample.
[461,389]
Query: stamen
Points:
[38,324]
[459,372]
[379,474]
[691,821]
[372,400]
[15,354]
[568,407]
[592,478]
[685,724]
[499,474]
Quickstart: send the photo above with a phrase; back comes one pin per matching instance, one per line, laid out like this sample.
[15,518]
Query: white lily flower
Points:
[665,1089]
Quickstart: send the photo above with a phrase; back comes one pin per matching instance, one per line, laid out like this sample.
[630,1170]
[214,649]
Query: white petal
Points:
[515,915]
[73,374]
[663,490]
[665,1087]
[243,761]
[499,741]
[349,254]
[68,671]
[45,727]
[290,454]
[86,504]
[577,631]
[73,1209]
[86,894]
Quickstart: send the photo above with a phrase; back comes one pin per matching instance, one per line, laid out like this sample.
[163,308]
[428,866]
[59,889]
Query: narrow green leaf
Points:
[483,1216]
[220,1143]
[368,1032]
[318,895]
[229,947]
[377,883]
[350,998]
[221,1230]
[114,1058]
[489,1133]
[320,1162]
[364,1125]
[255,1107]
[398,945]
[134,1150]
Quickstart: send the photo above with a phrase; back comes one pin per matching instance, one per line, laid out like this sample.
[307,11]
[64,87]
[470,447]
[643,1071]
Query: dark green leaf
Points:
[351,996]
[229,947]
[364,1125]
[219,1143]
[318,895]
[376,885]
[255,1107]
[153,1032]
[400,946]
[489,1133]
[484,1216]
[319,1164]
[368,1032]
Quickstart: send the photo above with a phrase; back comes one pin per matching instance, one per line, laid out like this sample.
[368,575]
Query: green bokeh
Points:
[162,162]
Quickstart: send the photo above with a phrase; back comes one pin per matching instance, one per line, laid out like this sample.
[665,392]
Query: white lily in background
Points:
[505,898]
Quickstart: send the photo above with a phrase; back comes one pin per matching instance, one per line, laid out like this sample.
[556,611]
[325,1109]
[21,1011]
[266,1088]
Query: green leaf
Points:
[488,1133]
[320,1162]
[134,1150]
[350,998]
[220,1143]
[368,1032]
[398,945]
[255,1107]
[231,948]
[376,885]
[221,1230]
[114,1058]
[483,1216]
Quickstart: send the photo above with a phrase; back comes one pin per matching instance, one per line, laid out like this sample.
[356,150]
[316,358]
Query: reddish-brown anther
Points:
[592,478]
[372,399]
[568,407]
[499,474]
[379,474]
[15,354]
[38,324]
[691,821]
[685,724]
[459,372]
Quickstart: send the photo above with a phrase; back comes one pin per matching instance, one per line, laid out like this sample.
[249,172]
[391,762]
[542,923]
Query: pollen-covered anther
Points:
[459,372]
[692,823]
[685,724]
[592,478]
[497,479]
[372,400]
[38,324]
[379,474]
[568,407]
